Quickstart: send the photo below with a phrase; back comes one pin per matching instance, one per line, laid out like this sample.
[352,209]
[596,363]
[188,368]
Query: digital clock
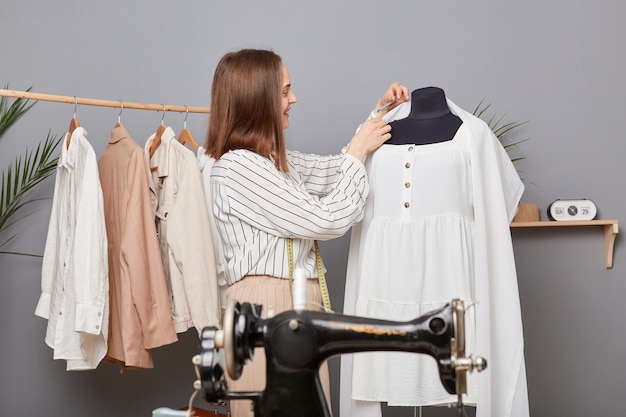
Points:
[563,210]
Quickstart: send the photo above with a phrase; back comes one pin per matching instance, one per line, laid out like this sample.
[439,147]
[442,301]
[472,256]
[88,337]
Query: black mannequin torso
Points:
[430,120]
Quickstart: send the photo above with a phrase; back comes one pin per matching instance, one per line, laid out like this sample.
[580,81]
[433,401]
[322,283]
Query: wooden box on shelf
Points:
[527,212]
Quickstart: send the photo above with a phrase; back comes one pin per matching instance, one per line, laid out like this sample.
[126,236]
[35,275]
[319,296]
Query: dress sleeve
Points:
[512,185]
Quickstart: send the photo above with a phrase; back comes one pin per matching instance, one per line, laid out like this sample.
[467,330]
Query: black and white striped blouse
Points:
[257,208]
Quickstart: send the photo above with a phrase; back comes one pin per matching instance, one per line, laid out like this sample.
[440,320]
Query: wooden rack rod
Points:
[119,104]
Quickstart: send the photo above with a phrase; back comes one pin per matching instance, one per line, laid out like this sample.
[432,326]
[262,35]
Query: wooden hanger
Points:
[156,141]
[186,137]
[74,123]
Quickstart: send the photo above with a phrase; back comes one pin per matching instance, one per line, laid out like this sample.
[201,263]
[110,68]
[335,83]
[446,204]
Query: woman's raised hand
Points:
[372,134]
[395,95]
[375,131]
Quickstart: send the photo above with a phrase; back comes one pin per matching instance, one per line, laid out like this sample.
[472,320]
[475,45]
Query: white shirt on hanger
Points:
[74,279]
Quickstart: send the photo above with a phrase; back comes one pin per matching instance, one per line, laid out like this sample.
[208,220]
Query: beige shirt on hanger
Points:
[140,307]
[184,232]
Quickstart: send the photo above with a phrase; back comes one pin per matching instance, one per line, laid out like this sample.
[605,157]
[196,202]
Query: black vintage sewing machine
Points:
[297,341]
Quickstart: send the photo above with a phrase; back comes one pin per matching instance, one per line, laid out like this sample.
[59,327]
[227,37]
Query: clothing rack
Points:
[119,104]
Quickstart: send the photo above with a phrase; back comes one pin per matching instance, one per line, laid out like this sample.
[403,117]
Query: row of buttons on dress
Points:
[407,184]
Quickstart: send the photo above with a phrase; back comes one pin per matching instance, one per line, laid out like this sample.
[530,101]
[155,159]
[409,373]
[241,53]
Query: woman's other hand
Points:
[395,95]
[372,134]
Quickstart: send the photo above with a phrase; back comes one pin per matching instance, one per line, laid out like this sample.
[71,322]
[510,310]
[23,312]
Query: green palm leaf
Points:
[10,114]
[501,128]
[25,173]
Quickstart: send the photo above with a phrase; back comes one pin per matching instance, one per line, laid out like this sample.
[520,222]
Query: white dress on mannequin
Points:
[454,232]
[416,254]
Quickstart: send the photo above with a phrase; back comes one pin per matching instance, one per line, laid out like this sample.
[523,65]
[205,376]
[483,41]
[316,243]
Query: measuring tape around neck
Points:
[320,274]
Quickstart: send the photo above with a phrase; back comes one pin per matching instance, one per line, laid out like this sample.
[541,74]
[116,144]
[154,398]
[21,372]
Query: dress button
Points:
[407,185]
[407,165]
[410,148]
[407,204]
[60,313]
[97,327]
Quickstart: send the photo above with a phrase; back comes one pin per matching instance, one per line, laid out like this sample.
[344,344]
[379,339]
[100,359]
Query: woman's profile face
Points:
[287,95]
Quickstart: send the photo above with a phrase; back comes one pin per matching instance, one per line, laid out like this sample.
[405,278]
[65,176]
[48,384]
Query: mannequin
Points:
[430,120]
[436,227]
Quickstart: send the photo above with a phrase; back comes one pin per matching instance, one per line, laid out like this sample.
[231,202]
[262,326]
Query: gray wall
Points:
[558,64]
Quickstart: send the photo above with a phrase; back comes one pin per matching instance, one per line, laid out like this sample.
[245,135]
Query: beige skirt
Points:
[275,297]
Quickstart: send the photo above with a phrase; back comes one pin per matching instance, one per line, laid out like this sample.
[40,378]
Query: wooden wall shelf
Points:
[611,230]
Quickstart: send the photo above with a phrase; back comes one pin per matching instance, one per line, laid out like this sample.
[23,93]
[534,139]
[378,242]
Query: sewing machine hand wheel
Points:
[227,351]
[240,334]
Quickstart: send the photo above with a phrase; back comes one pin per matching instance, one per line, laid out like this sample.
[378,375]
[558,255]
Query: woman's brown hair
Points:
[246,106]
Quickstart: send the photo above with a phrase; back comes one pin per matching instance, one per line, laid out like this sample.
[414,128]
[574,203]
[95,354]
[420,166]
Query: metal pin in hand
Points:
[385,107]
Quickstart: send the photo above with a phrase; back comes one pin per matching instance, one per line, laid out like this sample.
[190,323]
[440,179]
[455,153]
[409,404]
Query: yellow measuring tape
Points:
[320,274]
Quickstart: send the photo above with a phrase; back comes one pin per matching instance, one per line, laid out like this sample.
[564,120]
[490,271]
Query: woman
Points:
[268,201]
